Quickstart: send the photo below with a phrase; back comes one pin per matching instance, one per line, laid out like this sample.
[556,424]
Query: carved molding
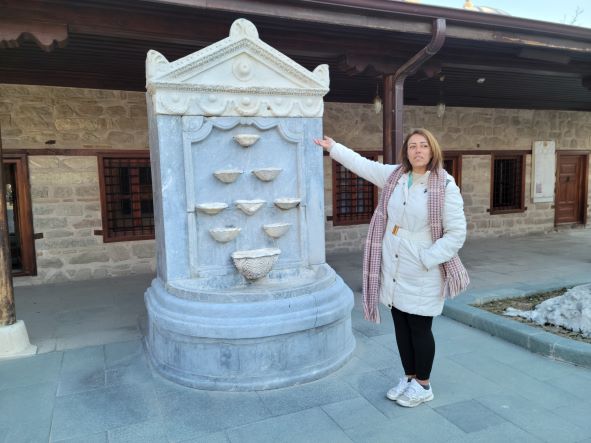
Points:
[47,36]
[237,76]
[198,128]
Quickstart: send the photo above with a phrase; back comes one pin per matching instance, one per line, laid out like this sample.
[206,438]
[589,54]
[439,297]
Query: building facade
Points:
[68,195]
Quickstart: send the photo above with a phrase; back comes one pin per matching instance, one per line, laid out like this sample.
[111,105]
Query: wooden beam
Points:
[143,19]
[47,36]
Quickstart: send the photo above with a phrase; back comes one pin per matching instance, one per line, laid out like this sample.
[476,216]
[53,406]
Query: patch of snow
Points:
[572,310]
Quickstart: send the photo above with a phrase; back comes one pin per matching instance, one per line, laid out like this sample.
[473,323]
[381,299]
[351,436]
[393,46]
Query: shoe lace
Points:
[413,392]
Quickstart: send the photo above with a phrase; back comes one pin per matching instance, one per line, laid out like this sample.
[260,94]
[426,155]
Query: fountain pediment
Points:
[239,75]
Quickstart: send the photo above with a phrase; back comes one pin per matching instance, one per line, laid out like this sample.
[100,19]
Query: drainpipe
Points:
[394,92]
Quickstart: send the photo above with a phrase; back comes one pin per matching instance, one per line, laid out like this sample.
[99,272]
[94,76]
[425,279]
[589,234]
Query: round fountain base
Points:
[285,337]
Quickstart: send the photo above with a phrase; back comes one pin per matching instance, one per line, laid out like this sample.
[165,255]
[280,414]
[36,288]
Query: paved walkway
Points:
[92,383]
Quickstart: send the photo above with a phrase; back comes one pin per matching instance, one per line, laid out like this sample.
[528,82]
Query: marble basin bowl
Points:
[227,175]
[276,230]
[287,203]
[224,235]
[255,263]
[211,208]
[249,207]
[246,140]
[267,174]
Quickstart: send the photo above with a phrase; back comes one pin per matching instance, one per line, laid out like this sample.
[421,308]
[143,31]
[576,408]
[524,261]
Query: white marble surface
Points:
[238,76]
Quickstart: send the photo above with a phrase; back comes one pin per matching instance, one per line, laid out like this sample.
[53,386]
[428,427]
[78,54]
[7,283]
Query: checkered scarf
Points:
[454,275]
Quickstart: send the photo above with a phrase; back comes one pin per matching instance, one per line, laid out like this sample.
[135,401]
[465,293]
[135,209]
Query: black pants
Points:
[416,344]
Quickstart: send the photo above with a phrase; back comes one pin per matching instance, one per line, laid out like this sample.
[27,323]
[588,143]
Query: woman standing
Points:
[410,261]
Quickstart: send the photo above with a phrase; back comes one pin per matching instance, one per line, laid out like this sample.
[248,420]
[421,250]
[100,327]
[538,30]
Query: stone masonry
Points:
[65,191]
[474,129]
[49,117]
[66,210]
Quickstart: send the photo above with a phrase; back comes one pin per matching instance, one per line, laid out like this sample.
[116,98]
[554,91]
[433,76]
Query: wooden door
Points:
[571,189]
[19,214]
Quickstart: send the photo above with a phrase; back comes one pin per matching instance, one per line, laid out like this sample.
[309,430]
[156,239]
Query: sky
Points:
[557,11]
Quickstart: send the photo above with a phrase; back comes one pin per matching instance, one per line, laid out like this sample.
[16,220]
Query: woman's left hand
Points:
[326,143]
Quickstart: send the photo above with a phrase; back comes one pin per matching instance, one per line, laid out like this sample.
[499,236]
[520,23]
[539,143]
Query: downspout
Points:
[393,136]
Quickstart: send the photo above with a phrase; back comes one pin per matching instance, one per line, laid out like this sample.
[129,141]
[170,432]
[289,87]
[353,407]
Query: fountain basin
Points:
[224,235]
[246,140]
[255,263]
[211,208]
[267,174]
[276,230]
[227,175]
[249,207]
[286,202]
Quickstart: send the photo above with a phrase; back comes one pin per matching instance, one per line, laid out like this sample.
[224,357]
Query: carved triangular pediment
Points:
[239,75]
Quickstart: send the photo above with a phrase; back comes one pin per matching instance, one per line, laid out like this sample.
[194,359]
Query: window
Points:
[353,198]
[452,163]
[126,190]
[508,183]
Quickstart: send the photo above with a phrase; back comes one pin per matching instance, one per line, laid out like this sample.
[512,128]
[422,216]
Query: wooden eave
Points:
[526,63]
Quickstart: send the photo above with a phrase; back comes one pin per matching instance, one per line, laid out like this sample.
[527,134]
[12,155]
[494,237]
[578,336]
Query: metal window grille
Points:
[128,198]
[354,199]
[507,183]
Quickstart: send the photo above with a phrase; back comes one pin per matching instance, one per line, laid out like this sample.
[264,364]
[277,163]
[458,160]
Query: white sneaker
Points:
[397,390]
[414,395]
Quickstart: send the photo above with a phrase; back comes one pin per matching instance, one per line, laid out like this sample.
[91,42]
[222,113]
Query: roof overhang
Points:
[525,63]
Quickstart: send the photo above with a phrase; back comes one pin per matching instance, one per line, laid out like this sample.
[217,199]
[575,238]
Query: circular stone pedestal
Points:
[259,336]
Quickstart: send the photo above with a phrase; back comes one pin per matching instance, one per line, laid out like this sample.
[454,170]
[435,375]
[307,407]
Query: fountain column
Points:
[243,298]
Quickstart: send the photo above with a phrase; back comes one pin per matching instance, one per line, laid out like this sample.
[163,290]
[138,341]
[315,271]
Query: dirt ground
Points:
[528,303]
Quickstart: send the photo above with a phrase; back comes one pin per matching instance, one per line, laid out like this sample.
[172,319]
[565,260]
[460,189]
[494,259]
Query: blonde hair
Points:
[436,161]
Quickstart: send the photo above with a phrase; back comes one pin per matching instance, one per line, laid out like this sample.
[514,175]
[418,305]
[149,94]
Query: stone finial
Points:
[243,28]
[154,63]
[321,74]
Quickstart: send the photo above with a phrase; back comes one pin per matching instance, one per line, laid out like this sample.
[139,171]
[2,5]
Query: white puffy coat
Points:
[410,276]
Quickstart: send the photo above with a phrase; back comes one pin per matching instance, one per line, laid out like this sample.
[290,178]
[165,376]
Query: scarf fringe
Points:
[371,314]
[456,283]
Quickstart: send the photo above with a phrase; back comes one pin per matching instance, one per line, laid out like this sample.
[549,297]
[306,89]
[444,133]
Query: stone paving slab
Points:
[487,389]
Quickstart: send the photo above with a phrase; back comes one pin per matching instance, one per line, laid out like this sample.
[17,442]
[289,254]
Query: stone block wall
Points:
[50,117]
[476,170]
[474,129]
[65,189]
[66,202]
[67,211]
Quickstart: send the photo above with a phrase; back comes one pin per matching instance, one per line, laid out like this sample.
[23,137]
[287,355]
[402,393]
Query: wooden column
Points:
[388,119]
[7,311]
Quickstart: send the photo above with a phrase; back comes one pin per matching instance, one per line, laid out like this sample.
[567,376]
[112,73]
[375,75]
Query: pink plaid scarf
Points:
[453,273]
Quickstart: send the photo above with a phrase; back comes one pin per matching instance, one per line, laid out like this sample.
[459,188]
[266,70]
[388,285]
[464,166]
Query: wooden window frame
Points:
[106,232]
[499,155]
[25,221]
[456,159]
[338,221]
